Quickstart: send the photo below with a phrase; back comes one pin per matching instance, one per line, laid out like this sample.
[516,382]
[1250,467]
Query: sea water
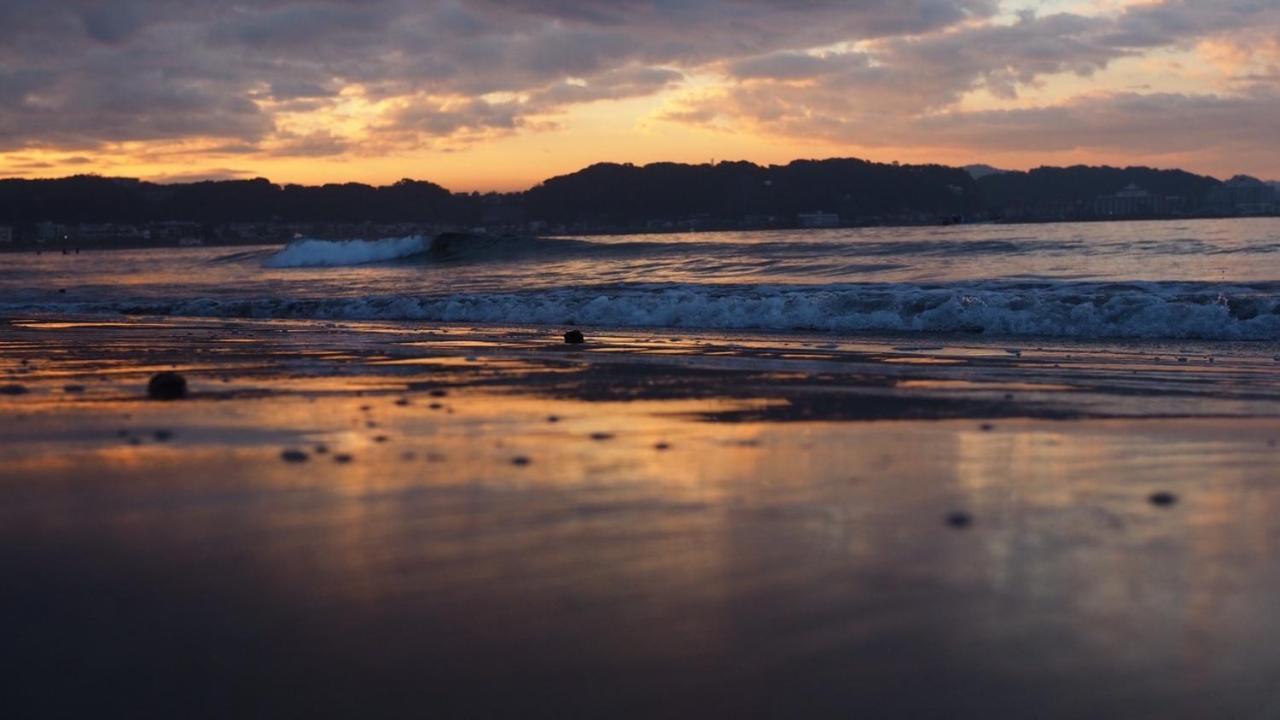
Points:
[1194,279]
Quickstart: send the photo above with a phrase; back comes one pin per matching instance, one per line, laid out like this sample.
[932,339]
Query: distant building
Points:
[818,219]
[1130,202]
[6,235]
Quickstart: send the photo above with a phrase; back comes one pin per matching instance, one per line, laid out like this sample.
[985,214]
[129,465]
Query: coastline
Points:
[712,523]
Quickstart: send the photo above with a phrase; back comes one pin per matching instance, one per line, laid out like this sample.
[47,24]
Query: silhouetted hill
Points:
[92,199]
[1082,184]
[611,193]
[979,170]
[612,197]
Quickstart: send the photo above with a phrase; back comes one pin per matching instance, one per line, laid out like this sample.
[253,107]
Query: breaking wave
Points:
[342,253]
[999,308]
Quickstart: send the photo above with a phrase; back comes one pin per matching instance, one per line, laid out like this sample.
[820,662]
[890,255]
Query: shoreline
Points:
[455,520]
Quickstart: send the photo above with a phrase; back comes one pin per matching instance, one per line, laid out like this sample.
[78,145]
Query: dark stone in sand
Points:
[321,449]
[62,291]
[72,389]
[162,435]
[167,386]
[381,439]
[1163,499]
[438,393]
[293,456]
[435,406]
[601,436]
[520,461]
[553,418]
[13,390]
[986,427]
[574,337]
[959,519]
[402,401]
[662,446]
[342,458]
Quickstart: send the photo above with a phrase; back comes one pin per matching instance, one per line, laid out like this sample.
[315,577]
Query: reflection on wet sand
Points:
[646,557]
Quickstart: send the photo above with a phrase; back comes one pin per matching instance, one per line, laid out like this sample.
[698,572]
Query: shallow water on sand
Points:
[696,523]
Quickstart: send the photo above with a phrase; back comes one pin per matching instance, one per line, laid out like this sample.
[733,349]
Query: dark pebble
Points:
[402,401]
[321,449]
[162,435]
[342,458]
[438,393]
[662,446]
[1163,499]
[167,386]
[13,389]
[959,519]
[520,461]
[986,427]
[293,456]
[553,418]
[435,406]
[601,436]
[380,439]
[574,337]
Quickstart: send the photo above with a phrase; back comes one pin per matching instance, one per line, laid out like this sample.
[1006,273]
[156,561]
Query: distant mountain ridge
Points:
[611,197]
[979,170]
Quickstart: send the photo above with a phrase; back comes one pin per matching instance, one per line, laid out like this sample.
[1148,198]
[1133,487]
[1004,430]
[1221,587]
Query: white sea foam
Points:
[341,253]
[1056,309]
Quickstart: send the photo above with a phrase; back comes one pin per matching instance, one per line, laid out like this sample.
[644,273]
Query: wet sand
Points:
[485,521]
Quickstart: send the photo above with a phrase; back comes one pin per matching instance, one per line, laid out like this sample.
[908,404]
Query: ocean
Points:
[1196,279]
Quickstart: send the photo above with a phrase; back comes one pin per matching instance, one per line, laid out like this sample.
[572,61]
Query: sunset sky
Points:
[498,94]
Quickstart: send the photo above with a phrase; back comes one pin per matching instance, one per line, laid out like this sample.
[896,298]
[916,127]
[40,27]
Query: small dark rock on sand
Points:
[1163,499]
[13,389]
[574,337]
[662,446]
[167,386]
[438,393]
[601,436]
[342,458]
[520,461]
[293,456]
[959,519]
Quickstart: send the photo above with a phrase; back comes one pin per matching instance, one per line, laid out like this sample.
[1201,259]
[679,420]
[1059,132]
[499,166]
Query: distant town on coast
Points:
[89,211]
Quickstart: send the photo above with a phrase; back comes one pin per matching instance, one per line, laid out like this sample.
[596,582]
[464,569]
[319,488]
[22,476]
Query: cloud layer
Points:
[325,78]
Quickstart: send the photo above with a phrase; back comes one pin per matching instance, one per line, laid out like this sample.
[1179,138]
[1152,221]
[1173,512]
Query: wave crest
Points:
[343,253]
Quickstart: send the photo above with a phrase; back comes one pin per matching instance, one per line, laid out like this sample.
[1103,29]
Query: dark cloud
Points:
[84,73]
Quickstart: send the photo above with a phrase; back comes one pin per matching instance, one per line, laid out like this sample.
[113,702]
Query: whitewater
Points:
[1205,279]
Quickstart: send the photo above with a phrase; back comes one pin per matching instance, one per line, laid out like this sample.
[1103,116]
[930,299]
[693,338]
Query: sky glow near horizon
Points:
[490,94]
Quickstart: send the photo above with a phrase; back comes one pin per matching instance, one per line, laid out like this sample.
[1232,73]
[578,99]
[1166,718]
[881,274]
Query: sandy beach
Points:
[377,518]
